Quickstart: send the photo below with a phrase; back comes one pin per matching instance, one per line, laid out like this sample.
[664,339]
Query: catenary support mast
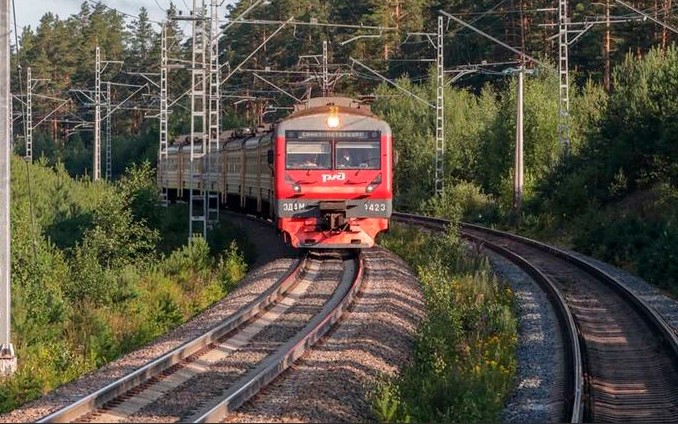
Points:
[563,73]
[440,113]
[213,163]
[8,360]
[162,148]
[198,199]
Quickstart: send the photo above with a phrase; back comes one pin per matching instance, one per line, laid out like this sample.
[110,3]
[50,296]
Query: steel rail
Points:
[117,388]
[650,315]
[575,355]
[254,381]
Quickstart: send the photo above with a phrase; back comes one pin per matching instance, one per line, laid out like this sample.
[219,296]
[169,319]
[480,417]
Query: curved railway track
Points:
[622,357]
[210,374]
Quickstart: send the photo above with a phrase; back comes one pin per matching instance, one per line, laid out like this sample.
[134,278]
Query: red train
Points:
[324,174]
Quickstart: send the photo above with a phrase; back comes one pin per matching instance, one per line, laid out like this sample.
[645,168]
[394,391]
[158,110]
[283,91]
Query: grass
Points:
[464,358]
[148,302]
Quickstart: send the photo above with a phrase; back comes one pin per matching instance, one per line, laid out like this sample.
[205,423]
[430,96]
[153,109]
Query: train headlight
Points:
[295,186]
[333,119]
[374,184]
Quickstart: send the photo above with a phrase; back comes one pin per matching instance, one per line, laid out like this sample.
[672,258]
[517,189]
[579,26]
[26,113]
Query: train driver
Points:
[309,161]
[344,159]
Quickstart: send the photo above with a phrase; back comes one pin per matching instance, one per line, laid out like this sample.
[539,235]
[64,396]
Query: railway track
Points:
[207,378]
[622,357]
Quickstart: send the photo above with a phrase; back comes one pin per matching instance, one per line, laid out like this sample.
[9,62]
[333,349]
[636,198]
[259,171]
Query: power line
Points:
[129,15]
[160,7]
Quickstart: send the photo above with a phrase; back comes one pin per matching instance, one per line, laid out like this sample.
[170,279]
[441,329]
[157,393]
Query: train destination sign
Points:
[332,135]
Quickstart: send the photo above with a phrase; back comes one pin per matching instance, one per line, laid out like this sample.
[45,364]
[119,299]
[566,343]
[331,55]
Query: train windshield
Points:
[358,155]
[308,155]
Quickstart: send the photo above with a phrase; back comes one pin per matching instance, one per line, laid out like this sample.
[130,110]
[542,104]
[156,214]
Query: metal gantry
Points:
[213,163]
[563,73]
[162,148]
[440,113]
[326,78]
[29,116]
[440,127]
[518,179]
[197,197]
[96,160]
[99,67]
[30,85]
[109,112]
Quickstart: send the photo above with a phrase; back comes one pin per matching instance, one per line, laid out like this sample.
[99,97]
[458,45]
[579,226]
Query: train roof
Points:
[320,105]
[232,137]
[248,142]
[347,102]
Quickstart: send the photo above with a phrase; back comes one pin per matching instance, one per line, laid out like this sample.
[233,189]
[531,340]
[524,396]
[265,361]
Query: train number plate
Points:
[375,207]
[293,206]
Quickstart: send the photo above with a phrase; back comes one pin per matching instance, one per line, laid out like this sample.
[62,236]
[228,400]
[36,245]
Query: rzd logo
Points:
[336,177]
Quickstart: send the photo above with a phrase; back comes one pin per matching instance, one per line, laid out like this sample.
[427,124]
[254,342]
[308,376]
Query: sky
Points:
[29,12]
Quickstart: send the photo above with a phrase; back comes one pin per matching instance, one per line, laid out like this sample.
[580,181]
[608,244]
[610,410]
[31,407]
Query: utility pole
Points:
[29,117]
[518,172]
[163,115]
[11,122]
[198,200]
[607,47]
[109,112]
[96,160]
[30,85]
[440,113]
[213,163]
[564,82]
[326,82]
[8,361]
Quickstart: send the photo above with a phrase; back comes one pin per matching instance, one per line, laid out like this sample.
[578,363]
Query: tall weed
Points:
[464,354]
[88,281]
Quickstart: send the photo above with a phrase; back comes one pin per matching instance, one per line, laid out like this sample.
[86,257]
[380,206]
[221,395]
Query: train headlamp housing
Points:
[295,186]
[374,184]
[333,118]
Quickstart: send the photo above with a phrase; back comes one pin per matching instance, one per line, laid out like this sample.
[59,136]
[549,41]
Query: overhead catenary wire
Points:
[99,3]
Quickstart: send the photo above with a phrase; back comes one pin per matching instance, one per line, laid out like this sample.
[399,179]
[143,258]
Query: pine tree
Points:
[141,39]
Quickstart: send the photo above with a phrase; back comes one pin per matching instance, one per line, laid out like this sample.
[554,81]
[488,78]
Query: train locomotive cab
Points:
[333,175]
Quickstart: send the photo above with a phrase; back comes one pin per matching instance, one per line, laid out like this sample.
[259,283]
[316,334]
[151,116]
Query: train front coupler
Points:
[333,216]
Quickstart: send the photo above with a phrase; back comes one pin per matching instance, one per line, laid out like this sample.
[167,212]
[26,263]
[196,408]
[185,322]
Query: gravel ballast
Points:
[375,339]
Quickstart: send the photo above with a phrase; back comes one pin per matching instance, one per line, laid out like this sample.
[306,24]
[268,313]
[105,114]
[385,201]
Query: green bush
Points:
[87,282]
[232,266]
[464,356]
[462,201]
[193,257]
[638,233]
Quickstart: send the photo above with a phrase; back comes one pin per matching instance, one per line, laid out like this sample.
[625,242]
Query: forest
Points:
[61,55]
